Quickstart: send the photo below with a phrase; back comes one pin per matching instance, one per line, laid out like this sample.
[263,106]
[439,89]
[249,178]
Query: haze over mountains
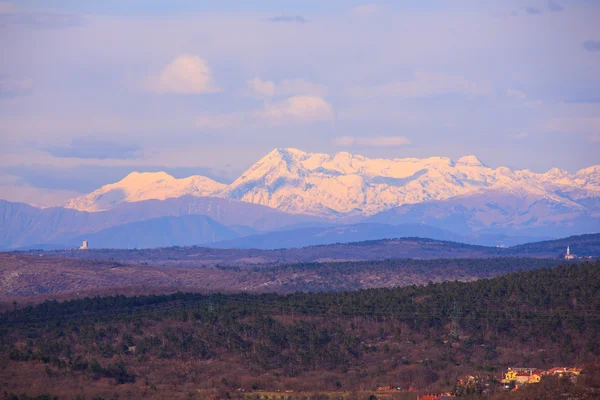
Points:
[320,199]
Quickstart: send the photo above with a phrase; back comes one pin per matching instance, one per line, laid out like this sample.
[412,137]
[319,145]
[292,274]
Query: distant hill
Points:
[331,234]
[581,245]
[311,236]
[416,248]
[22,225]
[186,230]
[497,212]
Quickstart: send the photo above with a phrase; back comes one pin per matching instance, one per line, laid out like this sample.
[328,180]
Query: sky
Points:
[90,91]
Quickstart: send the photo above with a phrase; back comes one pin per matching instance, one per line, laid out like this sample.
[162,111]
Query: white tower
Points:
[568,250]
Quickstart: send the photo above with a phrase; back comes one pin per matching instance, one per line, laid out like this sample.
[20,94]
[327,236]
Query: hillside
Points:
[26,276]
[344,343]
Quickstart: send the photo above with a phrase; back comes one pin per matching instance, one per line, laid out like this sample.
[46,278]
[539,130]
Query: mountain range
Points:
[318,199]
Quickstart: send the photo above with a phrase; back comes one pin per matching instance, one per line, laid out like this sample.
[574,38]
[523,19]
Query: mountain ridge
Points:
[344,184]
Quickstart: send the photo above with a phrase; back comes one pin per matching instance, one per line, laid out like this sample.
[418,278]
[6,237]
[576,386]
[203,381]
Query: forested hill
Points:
[407,247]
[216,345]
[572,289]
[582,245]
[169,345]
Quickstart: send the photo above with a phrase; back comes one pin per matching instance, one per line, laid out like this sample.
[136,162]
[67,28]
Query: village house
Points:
[519,375]
[522,377]
[536,376]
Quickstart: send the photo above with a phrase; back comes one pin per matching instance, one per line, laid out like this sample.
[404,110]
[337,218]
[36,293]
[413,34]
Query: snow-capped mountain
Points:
[145,186]
[294,181]
[352,185]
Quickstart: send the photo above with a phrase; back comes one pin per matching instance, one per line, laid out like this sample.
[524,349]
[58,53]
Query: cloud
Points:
[84,178]
[425,85]
[38,20]
[589,126]
[186,74]
[260,88]
[289,19]
[13,189]
[297,110]
[553,6]
[521,135]
[371,141]
[533,11]
[87,148]
[366,9]
[592,45]
[516,94]
[220,122]
[13,87]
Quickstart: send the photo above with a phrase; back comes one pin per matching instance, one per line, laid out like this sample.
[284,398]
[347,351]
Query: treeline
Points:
[468,266]
[571,290]
[418,336]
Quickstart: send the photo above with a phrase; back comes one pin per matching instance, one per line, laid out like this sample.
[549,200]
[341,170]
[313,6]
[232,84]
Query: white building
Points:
[84,245]
[570,256]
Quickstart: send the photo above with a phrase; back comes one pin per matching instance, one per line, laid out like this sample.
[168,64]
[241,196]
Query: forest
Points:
[190,344]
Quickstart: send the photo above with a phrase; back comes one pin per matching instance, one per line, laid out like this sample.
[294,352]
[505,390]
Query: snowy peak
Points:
[469,161]
[139,186]
[345,184]
[145,177]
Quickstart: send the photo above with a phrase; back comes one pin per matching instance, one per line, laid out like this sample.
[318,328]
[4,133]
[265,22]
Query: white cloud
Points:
[425,85]
[297,110]
[262,88]
[221,122]
[13,189]
[516,94]
[580,125]
[259,88]
[186,74]
[521,135]
[366,9]
[371,141]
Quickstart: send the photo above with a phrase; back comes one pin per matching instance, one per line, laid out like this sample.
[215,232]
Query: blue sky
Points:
[90,91]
